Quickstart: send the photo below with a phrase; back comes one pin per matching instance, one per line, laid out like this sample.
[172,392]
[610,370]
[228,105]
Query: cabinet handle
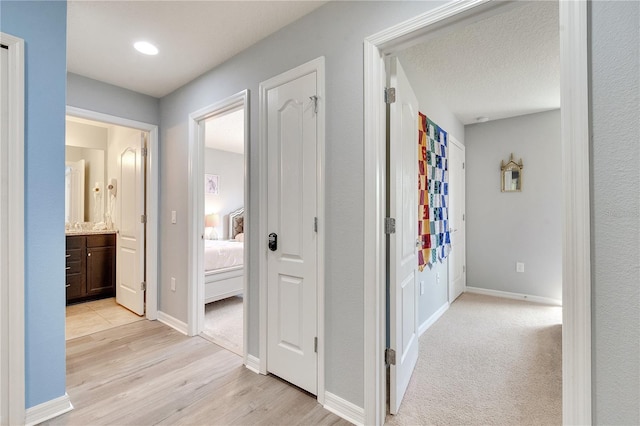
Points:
[67,268]
[67,255]
[68,285]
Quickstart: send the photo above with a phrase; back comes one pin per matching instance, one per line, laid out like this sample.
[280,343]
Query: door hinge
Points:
[389,356]
[389,225]
[463,165]
[315,224]
[389,95]
[463,216]
[144,152]
[315,344]
[143,286]
[143,218]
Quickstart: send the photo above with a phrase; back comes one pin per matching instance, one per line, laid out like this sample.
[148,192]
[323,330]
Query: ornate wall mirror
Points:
[511,174]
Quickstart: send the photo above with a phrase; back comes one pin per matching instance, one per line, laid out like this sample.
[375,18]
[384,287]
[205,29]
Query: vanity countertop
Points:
[88,232]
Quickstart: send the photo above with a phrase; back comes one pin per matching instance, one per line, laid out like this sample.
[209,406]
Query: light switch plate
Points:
[174,216]
[519,267]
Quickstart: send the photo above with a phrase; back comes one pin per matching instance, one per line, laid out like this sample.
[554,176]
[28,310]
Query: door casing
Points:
[462,223]
[318,66]
[151,255]
[576,332]
[12,380]
[196,211]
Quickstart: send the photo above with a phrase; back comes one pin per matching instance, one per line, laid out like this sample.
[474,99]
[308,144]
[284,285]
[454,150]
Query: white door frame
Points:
[457,143]
[196,210]
[153,165]
[317,65]
[12,379]
[576,330]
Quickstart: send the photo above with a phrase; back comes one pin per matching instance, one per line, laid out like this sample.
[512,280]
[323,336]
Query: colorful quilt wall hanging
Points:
[433,193]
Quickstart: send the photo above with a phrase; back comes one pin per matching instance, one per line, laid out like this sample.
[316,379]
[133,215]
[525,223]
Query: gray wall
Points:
[435,278]
[615,90]
[335,31]
[505,228]
[93,95]
[230,167]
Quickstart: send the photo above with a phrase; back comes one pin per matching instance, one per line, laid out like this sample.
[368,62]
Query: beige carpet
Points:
[223,323]
[488,361]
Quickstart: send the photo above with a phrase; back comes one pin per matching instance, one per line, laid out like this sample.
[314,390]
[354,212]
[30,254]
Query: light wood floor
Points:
[146,373]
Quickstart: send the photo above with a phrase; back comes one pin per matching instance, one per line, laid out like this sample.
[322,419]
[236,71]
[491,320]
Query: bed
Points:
[224,262]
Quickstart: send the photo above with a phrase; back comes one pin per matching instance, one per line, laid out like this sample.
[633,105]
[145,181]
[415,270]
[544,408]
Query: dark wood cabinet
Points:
[90,266]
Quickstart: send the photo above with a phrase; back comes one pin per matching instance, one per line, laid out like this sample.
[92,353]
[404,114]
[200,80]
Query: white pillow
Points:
[240,237]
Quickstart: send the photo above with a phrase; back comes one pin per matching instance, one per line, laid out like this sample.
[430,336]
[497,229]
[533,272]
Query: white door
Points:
[74,191]
[4,240]
[292,265]
[457,268]
[131,228]
[403,260]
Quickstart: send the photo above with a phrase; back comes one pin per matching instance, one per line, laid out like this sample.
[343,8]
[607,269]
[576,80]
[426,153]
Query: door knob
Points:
[273,241]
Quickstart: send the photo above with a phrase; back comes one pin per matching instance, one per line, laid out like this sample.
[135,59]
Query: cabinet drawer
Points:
[101,240]
[75,242]
[74,268]
[74,285]
[74,255]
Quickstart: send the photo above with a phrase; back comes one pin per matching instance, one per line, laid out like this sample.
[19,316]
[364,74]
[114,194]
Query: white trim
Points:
[173,322]
[153,164]
[196,293]
[252,363]
[317,65]
[12,340]
[48,410]
[343,408]
[433,318]
[514,296]
[576,243]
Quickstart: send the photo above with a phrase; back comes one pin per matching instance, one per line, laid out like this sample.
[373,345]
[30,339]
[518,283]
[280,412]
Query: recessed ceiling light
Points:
[482,119]
[146,48]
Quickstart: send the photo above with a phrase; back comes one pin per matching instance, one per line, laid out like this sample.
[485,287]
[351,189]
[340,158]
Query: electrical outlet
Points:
[438,277]
[173,284]
[421,287]
[519,267]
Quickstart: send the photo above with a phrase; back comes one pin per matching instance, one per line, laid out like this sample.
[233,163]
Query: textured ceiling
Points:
[193,37]
[499,67]
[226,132]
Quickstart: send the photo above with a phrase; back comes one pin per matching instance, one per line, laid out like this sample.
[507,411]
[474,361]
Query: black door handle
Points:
[273,241]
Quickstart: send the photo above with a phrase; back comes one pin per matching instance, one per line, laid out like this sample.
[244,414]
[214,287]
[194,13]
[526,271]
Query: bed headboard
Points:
[236,223]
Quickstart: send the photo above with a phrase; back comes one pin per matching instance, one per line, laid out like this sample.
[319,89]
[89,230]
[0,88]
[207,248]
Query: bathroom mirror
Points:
[511,174]
[85,171]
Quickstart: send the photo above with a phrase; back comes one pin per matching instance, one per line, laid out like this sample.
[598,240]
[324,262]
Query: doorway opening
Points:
[224,219]
[575,245]
[218,197]
[110,222]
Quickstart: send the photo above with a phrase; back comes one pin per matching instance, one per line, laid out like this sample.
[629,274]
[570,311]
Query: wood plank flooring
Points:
[146,373]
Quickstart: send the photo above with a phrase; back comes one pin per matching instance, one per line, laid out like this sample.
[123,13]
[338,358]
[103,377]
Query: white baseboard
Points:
[173,322]
[253,364]
[433,318]
[48,410]
[344,408]
[516,296]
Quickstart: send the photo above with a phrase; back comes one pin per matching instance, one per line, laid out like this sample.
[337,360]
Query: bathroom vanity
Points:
[90,265]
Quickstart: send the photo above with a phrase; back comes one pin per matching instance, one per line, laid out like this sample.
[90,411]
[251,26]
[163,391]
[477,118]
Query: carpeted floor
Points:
[223,323]
[488,361]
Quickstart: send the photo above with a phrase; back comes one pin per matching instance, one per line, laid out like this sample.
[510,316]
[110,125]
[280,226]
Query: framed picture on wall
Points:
[212,184]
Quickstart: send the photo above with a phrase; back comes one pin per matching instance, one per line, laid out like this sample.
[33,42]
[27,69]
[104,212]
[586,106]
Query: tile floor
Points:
[98,315]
